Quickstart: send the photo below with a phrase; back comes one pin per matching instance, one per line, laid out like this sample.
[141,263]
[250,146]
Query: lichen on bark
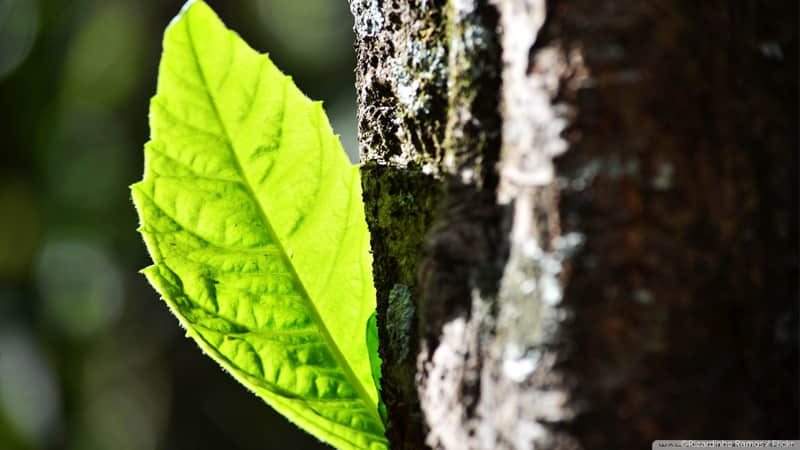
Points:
[401,83]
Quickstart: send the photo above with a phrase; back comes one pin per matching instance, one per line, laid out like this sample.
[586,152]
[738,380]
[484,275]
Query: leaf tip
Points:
[184,10]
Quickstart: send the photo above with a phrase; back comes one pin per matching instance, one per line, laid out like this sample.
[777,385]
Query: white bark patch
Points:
[418,65]
[442,398]
[612,166]
[663,179]
[532,122]
[526,390]
[463,7]
[368,17]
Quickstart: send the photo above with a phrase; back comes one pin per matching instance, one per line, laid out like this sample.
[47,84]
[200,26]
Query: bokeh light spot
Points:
[29,398]
[105,59]
[19,25]
[80,286]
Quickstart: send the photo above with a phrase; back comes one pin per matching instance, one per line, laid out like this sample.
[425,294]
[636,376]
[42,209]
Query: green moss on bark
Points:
[399,208]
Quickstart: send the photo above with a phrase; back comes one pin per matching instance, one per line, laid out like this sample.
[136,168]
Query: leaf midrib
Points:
[365,398]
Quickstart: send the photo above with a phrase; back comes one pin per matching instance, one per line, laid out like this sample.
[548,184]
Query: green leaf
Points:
[375,359]
[253,216]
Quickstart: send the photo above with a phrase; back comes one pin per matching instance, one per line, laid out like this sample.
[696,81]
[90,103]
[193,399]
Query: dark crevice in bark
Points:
[467,245]
[463,251]
[472,135]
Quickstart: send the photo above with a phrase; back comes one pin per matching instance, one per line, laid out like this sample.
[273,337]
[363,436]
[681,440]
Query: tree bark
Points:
[594,207]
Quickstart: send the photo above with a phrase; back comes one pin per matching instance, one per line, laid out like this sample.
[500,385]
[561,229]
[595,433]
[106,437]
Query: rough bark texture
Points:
[594,206]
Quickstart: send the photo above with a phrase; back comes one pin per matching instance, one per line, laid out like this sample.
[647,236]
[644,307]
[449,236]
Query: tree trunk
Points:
[593,205]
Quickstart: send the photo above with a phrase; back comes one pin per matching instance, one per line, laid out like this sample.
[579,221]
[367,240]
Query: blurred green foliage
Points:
[89,357]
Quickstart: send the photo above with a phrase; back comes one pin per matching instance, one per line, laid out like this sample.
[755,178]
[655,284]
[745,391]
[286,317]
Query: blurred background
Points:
[90,357]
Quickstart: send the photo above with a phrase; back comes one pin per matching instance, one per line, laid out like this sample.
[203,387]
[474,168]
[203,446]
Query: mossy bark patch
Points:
[399,207]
